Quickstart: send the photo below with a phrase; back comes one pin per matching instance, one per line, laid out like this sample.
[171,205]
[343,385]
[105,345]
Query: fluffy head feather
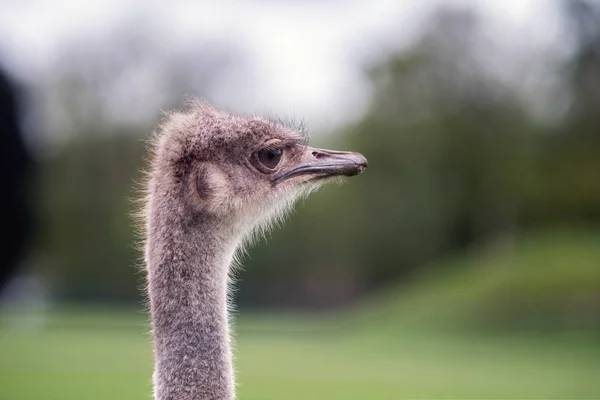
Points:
[206,156]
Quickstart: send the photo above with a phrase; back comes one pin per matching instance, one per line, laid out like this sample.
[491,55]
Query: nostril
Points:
[318,155]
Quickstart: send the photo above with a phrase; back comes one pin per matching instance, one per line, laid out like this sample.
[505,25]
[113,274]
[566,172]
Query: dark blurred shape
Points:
[15,173]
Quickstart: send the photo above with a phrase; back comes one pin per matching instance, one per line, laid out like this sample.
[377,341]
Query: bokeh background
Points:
[465,262]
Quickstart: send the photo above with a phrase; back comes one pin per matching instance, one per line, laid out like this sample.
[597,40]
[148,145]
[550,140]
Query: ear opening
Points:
[212,188]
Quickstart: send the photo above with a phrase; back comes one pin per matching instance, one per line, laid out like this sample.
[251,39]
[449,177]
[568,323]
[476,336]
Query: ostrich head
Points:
[243,171]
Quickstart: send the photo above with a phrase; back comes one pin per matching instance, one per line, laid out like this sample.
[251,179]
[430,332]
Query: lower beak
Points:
[321,163]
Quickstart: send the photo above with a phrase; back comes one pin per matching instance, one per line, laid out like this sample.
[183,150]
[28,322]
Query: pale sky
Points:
[303,54]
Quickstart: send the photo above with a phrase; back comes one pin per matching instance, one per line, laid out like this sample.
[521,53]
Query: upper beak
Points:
[321,163]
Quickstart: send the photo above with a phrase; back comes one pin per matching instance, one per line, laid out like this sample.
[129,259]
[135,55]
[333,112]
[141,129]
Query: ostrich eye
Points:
[270,158]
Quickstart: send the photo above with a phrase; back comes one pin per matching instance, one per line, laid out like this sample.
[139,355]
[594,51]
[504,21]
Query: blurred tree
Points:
[451,150]
[566,186]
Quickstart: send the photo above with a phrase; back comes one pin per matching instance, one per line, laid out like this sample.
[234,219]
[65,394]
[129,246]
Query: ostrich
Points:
[215,180]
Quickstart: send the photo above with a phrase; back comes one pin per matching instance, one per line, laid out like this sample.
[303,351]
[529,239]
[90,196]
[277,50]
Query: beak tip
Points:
[362,163]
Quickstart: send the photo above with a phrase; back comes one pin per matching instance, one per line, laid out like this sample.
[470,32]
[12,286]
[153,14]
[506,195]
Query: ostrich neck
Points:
[188,264]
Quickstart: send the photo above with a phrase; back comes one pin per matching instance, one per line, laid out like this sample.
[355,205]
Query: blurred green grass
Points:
[394,346]
[69,363]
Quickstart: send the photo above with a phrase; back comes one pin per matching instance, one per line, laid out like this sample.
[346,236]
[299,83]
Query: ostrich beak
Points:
[321,163]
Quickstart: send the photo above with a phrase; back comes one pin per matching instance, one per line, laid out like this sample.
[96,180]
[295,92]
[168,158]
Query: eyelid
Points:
[273,144]
[283,144]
